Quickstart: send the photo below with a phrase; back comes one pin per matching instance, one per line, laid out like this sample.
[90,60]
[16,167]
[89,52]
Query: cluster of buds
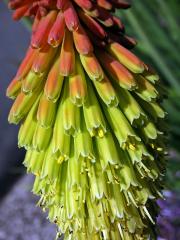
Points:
[91,120]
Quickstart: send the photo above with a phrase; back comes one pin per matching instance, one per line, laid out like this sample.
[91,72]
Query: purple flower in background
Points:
[169,218]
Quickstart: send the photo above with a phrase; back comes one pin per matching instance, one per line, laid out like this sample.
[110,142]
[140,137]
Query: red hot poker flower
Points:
[91,120]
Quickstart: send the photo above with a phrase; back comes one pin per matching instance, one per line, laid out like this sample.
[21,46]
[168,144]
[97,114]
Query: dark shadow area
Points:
[13,43]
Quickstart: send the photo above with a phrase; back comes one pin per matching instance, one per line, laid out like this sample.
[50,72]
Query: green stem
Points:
[27,23]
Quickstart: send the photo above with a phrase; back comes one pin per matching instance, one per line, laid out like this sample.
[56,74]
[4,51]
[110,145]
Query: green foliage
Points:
[155,26]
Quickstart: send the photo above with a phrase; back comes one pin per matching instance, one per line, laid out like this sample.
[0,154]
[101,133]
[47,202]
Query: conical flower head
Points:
[91,120]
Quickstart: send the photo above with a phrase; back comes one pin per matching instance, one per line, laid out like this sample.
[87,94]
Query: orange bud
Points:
[26,63]
[127,58]
[39,39]
[54,83]
[77,85]
[117,71]
[67,56]
[61,4]
[94,26]
[86,4]
[82,42]
[20,12]
[92,67]
[57,31]
[104,4]
[46,112]
[70,16]
[13,88]
[43,60]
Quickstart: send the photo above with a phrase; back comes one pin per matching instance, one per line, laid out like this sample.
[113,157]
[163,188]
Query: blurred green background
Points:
[156,27]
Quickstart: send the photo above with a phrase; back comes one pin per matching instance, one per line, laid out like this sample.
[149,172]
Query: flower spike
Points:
[91,120]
